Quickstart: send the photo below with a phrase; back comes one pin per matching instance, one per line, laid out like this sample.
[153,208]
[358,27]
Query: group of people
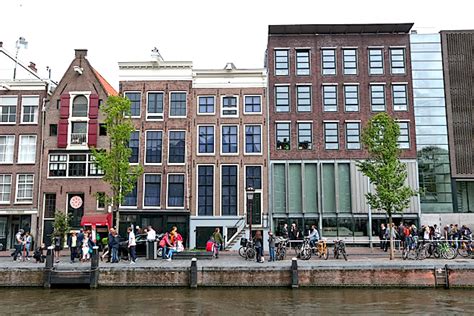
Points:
[405,234]
[23,243]
[80,245]
[171,242]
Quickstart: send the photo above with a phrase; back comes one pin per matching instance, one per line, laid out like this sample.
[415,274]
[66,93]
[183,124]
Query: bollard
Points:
[294,273]
[94,278]
[193,274]
[48,266]
[151,250]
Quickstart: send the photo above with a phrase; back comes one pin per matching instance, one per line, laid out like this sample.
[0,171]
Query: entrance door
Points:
[75,208]
[202,236]
[14,228]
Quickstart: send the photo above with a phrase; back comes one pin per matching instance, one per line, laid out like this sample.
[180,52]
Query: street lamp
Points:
[250,193]
[20,43]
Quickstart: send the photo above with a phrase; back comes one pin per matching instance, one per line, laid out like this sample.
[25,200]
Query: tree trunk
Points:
[392,247]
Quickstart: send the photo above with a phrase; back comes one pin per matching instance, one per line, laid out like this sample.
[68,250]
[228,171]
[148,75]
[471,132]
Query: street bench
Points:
[193,254]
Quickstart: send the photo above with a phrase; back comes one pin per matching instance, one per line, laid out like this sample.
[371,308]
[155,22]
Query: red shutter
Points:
[63,122]
[93,114]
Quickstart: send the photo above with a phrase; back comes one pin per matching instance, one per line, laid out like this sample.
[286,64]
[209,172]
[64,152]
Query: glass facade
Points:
[430,118]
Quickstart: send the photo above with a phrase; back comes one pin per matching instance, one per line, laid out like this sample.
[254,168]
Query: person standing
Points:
[72,244]
[114,246]
[57,247]
[258,241]
[28,242]
[218,240]
[85,248]
[284,231]
[382,236]
[271,245]
[131,245]
[18,244]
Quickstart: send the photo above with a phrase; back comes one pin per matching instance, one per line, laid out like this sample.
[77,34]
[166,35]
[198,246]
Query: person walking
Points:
[80,240]
[114,246]
[271,245]
[131,245]
[57,247]
[18,244]
[72,244]
[382,236]
[218,240]
[258,241]
[85,248]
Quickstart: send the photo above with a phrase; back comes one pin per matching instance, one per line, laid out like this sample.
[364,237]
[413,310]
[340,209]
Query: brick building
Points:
[229,152]
[70,179]
[324,83]
[22,97]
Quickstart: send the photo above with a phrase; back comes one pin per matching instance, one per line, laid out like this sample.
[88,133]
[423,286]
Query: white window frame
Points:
[144,187]
[154,114]
[206,96]
[139,92]
[213,185]
[87,162]
[32,188]
[222,140]
[220,189]
[72,120]
[37,110]
[4,176]
[231,109]
[20,147]
[186,104]
[16,108]
[185,147]
[168,189]
[146,141]
[12,151]
[261,104]
[197,138]
[245,140]
[97,202]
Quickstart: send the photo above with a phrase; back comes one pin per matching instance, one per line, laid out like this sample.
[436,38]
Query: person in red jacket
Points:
[165,243]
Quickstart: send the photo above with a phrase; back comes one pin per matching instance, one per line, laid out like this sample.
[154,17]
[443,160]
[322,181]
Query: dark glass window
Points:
[152,190]
[49,205]
[176,190]
[79,106]
[154,106]
[329,61]
[302,62]
[375,61]
[53,129]
[134,145]
[229,106]
[177,146]
[353,135]
[102,129]
[350,61]
[229,190]
[281,62]
[135,99]
[100,200]
[377,97]
[229,140]
[282,98]
[397,60]
[178,104]
[283,136]
[351,98]
[253,139]
[305,136]
[303,98]
[206,139]
[77,165]
[206,104]
[205,190]
[131,198]
[331,135]
[153,146]
[253,177]
[330,98]
[253,104]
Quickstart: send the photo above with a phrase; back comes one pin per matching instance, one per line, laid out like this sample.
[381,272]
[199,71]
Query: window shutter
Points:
[63,121]
[93,126]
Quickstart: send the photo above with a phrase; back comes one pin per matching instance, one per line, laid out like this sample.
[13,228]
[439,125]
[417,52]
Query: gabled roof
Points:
[104,83]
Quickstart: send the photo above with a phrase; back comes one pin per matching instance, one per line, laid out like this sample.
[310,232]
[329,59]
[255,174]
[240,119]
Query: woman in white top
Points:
[85,248]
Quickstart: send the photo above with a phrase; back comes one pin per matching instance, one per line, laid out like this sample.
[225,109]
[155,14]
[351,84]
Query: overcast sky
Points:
[207,32]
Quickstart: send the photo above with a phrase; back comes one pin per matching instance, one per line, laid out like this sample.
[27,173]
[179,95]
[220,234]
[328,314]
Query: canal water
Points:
[235,301]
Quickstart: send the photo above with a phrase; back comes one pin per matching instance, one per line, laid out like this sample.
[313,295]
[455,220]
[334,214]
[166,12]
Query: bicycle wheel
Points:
[436,253]
[250,253]
[428,250]
[411,255]
[160,252]
[449,253]
[325,254]
[344,254]
[242,251]
[421,254]
[463,251]
[306,254]
[282,254]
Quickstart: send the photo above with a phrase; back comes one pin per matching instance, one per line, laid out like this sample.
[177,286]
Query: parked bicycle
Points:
[321,249]
[304,250]
[415,251]
[340,249]
[465,248]
[280,252]
[247,249]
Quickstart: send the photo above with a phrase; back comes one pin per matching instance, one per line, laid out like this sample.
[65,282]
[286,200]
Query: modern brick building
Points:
[161,96]
[22,97]
[229,152]
[324,83]
[70,179]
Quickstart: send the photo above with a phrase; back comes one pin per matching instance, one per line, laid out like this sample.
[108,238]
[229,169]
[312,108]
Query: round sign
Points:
[75,202]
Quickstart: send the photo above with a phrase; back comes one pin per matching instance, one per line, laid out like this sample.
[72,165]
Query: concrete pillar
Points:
[151,250]
[294,273]
[193,274]
[48,267]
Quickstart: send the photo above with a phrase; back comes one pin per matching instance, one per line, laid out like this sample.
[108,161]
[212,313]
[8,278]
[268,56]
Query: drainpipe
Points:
[39,217]
[370,218]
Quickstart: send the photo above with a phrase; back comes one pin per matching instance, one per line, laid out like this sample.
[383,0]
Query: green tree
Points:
[61,225]
[114,161]
[384,169]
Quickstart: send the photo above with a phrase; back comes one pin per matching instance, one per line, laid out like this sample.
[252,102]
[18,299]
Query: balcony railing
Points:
[78,138]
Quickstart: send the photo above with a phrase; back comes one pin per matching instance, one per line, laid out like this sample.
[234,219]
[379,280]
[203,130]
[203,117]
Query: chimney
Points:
[32,66]
[81,53]
[1,44]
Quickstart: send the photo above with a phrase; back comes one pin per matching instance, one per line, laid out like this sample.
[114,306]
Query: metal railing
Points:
[78,138]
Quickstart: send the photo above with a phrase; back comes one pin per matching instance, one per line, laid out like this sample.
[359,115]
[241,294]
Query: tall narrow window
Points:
[331,135]
[229,190]
[377,97]
[353,135]
[229,137]
[77,165]
[253,139]
[49,205]
[27,149]
[24,188]
[206,140]
[152,196]
[350,61]
[134,145]
[328,61]
[281,62]
[282,97]
[303,98]
[253,104]
[8,109]
[302,62]
[330,98]
[30,109]
[283,136]
[397,60]
[5,188]
[351,98]
[376,61]
[154,107]
[404,138]
[178,104]
[400,98]
[79,106]
[154,145]
[305,136]
[177,146]
[253,177]
[135,103]
[131,199]
[205,190]
[176,190]
[7,146]
[230,107]
[206,105]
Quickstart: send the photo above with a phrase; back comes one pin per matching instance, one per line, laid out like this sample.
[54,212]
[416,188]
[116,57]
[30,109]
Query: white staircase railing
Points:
[240,225]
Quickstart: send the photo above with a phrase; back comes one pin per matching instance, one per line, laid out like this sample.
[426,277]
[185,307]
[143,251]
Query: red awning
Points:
[97,220]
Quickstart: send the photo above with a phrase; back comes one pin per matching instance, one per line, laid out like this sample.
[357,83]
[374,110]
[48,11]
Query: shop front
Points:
[10,224]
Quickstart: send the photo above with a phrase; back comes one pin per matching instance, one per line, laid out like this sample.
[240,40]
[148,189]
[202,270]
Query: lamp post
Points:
[250,192]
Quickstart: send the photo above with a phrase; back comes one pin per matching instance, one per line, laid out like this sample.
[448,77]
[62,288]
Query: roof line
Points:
[20,63]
